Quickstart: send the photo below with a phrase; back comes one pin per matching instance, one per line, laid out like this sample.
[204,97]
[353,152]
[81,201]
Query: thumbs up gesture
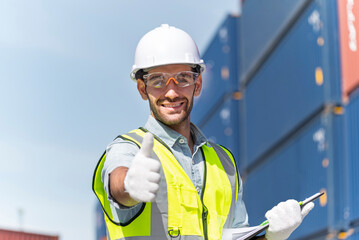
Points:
[143,176]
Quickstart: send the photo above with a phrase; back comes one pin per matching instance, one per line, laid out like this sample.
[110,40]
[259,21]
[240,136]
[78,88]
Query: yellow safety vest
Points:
[178,210]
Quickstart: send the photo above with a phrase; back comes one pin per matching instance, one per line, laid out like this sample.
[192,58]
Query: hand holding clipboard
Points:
[265,224]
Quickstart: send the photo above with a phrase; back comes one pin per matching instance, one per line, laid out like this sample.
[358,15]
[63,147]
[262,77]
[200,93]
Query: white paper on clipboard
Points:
[238,233]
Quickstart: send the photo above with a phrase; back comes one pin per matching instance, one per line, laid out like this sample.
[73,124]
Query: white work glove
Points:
[284,218]
[143,176]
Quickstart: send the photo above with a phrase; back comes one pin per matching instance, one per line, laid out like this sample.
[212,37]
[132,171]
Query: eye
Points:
[156,81]
[185,77]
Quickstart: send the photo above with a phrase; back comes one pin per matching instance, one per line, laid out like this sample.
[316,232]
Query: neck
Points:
[184,128]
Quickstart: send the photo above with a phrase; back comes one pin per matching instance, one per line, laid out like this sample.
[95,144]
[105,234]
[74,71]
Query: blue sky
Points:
[66,93]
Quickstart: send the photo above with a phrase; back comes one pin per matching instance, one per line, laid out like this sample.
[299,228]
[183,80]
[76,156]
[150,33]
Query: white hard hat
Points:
[166,45]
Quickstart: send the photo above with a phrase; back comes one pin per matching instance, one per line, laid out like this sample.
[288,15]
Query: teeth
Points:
[172,105]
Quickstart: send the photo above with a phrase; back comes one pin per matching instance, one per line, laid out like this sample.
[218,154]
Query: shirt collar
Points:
[169,136]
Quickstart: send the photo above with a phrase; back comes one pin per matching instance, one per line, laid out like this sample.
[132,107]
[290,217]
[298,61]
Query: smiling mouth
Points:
[171,105]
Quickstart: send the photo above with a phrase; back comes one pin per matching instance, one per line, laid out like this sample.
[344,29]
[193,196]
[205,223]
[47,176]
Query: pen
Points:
[301,203]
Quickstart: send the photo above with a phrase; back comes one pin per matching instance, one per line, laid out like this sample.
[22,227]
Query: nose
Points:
[171,90]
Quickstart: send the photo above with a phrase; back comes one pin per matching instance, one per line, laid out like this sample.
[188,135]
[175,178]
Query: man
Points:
[166,180]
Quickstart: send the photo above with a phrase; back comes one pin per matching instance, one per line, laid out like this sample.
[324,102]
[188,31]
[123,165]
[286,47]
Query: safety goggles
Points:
[161,80]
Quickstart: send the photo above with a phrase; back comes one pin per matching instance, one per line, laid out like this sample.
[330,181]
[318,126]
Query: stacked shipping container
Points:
[215,111]
[352,122]
[293,83]
[300,110]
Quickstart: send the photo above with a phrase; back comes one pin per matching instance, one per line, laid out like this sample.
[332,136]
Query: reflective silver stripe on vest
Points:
[159,208]
[232,176]
[181,237]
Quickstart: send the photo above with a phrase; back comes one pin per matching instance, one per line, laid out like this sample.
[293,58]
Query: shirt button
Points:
[198,190]
[181,141]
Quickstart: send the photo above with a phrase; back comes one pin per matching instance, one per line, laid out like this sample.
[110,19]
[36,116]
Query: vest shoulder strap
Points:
[223,151]
[98,185]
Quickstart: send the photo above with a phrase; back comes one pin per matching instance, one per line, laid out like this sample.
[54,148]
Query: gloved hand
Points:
[143,176]
[284,218]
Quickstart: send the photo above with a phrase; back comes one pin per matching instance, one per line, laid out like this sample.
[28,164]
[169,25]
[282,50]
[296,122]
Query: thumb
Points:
[147,144]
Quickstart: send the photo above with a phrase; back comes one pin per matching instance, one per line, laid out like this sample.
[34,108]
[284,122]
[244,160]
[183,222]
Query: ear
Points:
[141,87]
[198,86]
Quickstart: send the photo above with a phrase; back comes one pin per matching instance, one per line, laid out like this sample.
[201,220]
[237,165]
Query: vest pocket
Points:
[191,211]
[184,210]
[189,198]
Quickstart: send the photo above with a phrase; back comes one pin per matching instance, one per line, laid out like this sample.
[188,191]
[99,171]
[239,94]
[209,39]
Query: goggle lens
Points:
[161,80]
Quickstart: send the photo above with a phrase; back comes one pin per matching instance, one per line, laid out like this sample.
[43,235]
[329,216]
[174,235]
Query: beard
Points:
[171,119]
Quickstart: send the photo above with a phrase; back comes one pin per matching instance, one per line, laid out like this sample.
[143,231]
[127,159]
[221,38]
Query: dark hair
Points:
[197,69]
[139,74]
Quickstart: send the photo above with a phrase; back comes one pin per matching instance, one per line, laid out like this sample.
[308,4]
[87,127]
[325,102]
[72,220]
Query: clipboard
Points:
[265,224]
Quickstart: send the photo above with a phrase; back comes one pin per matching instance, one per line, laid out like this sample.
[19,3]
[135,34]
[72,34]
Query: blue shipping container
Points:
[100,223]
[220,78]
[223,126]
[351,234]
[355,235]
[312,160]
[294,83]
[262,23]
[352,118]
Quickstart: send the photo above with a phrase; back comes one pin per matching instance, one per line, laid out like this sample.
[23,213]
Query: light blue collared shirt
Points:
[120,153]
